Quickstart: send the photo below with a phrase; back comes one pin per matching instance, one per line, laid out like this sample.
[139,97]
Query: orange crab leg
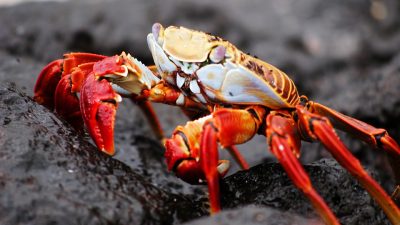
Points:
[238,157]
[318,127]
[284,144]
[192,152]
[228,127]
[376,137]
[209,164]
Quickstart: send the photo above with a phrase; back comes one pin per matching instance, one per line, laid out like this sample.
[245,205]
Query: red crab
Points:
[229,95]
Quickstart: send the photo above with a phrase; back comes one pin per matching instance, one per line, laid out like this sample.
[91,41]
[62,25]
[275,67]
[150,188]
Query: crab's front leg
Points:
[192,152]
[123,76]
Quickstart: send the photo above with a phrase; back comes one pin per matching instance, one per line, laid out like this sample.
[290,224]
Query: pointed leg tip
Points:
[109,151]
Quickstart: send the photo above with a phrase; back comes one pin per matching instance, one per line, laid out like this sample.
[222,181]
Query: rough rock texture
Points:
[342,54]
[254,215]
[268,185]
[50,175]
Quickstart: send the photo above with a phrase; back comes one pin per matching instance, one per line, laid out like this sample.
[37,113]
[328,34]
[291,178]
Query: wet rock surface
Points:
[50,175]
[269,185]
[342,54]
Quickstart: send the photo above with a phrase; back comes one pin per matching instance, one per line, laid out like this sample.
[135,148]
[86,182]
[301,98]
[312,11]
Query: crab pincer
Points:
[98,103]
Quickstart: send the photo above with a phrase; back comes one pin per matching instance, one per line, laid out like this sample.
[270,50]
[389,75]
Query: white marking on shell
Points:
[210,93]
[242,86]
[189,68]
[118,98]
[177,62]
[180,100]
[179,81]
[212,76]
[120,90]
[201,98]
[164,65]
[223,167]
[148,77]
[194,87]
[202,120]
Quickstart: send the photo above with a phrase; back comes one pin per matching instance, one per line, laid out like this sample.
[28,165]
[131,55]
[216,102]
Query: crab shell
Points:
[211,70]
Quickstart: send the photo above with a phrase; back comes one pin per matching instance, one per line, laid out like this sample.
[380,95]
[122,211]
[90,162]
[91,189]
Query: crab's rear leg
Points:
[376,137]
[319,128]
[284,144]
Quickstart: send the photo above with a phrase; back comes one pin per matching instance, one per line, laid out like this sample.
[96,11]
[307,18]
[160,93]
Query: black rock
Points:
[255,215]
[50,175]
[268,185]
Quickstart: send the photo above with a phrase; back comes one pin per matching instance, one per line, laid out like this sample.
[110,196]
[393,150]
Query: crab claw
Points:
[67,103]
[184,165]
[47,82]
[98,103]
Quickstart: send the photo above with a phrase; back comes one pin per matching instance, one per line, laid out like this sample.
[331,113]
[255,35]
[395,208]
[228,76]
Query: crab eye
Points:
[158,30]
[218,54]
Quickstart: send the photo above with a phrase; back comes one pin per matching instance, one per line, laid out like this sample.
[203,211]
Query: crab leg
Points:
[152,118]
[285,144]
[376,137]
[228,127]
[209,164]
[238,157]
[319,128]
[192,152]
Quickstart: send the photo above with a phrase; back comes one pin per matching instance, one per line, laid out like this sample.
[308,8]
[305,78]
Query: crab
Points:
[229,97]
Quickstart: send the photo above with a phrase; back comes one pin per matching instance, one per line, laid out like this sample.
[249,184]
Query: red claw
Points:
[67,103]
[98,103]
[47,82]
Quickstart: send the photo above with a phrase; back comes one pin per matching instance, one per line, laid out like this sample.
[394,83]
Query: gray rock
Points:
[51,175]
[268,185]
[254,215]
